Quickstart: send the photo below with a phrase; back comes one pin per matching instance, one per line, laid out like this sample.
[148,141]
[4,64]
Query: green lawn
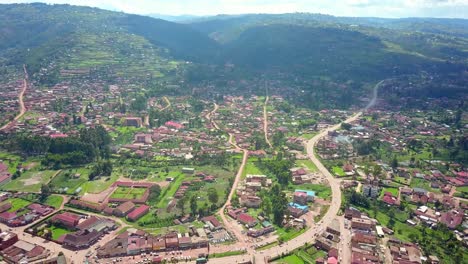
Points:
[309,135]
[308,164]
[17,203]
[30,181]
[393,191]
[227,254]
[99,185]
[422,183]
[10,160]
[288,234]
[321,191]
[54,201]
[291,259]
[128,193]
[67,179]
[338,171]
[57,232]
[463,189]
[251,168]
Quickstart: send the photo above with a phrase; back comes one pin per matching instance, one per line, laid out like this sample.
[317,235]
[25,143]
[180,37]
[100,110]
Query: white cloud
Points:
[379,8]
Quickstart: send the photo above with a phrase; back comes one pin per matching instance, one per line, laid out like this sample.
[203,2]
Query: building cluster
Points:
[81,231]
[24,215]
[14,250]
[135,242]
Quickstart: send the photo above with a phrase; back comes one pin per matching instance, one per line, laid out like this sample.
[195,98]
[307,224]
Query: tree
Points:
[394,162]
[193,205]
[155,191]
[279,204]
[181,205]
[45,192]
[267,206]
[213,195]
[346,126]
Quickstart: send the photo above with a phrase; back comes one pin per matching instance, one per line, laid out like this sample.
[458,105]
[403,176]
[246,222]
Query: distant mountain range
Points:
[299,44]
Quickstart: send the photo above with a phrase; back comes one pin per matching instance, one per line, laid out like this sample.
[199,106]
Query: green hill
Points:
[54,38]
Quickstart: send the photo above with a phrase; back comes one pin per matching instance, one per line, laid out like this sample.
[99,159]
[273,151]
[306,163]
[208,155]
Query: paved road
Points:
[265,121]
[20,99]
[310,235]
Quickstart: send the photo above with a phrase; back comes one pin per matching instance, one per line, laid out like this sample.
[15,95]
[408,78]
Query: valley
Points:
[289,138]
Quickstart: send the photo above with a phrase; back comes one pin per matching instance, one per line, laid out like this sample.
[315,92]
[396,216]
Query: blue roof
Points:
[309,193]
[298,206]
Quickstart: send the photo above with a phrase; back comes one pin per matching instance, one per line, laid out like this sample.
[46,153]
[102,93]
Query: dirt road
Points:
[20,100]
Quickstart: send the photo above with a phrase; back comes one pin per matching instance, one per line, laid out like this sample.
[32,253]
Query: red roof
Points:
[7,215]
[463,174]
[389,198]
[332,260]
[3,167]
[67,218]
[58,135]
[212,220]
[245,218]
[137,213]
[174,124]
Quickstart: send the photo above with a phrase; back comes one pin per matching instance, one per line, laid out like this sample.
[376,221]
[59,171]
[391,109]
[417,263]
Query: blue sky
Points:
[376,8]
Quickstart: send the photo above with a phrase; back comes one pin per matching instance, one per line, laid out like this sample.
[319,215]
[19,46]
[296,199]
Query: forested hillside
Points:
[53,38]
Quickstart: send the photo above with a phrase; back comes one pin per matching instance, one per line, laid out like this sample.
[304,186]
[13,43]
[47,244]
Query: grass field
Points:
[422,183]
[338,171]
[463,189]
[98,185]
[54,201]
[10,160]
[308,164]
[128,193]
[30,181]
[291,259]
[57,232]
[67,179]
[17,203]
[288,234]
[251,168]
[321,191]
[393,191]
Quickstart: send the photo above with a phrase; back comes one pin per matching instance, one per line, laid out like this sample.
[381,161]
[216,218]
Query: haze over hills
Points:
[301,45]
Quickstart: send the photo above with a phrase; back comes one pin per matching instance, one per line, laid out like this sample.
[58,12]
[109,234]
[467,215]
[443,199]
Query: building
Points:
[334,227]
[250,201]
[133,121]
[7,239]
[297,210]
[212,222]
[370,190]
[5,207]
[323,243]
[67,219]
[246,220]
[138,213]
[143,138]
[352,213]
[188,170]
[362,224]
[124,209]
[452,219]
[23,252]
[81,239]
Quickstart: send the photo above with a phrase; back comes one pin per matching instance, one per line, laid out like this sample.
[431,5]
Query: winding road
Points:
[310,235]
[20,100]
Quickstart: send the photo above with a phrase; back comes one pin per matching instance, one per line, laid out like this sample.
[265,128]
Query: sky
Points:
[355,8]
